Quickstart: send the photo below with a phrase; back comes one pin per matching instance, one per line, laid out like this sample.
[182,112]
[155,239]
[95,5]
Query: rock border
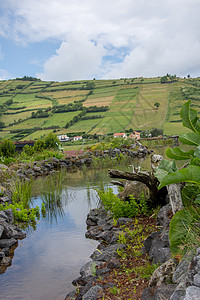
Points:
[170,281]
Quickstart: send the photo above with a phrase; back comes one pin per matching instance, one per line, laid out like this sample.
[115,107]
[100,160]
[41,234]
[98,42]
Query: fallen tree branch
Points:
[145,177]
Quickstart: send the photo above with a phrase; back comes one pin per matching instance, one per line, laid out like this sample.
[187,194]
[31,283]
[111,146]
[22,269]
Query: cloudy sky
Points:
[84,39]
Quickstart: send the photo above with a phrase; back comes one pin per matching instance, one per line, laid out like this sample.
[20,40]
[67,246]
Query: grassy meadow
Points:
[130,103]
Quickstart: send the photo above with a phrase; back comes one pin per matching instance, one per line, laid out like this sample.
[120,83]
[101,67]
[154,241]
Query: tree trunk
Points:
[147,178]
[175,199]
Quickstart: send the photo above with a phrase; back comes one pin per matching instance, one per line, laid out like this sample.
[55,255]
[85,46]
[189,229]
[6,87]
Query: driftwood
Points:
[145,177]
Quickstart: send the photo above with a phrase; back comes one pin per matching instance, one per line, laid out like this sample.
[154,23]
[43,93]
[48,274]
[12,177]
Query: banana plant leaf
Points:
[164,168]
[178,154]
[191,138]
[189,117]
[190,174]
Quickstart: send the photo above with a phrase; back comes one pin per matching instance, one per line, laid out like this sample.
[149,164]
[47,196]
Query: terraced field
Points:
[30,109]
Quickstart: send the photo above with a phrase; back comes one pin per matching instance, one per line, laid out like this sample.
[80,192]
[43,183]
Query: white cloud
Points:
[158,56]
[77,58]
[4,75]
[159,36]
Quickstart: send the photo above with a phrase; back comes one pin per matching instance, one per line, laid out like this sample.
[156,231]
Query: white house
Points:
[63,138]
[77,138]
[122,134]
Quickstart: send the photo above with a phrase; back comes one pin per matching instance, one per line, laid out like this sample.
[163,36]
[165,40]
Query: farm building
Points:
[77,138]
[122,134]
[135,135]
[63,138]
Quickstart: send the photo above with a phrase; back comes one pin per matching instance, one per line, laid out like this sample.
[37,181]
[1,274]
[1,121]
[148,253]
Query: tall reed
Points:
[21,191]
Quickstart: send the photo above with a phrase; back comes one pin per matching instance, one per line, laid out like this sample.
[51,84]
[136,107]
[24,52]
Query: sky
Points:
[63,40]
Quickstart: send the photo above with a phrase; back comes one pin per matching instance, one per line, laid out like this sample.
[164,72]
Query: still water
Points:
[50,257]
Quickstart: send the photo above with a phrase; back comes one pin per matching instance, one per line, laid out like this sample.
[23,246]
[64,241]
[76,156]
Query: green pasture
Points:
[30,101]
[107,83]
[4,99]
[126,94]
[33,89]
[65,96]
[146,116]
[37,134]
[60,119]
[41,83]
[60,87]
[9,119]
[130,100]
[28,124]
[112,123]
[103,92]
[124,102]
[5,84]
[83,125]
[101,97]
[5,134]
[174,128]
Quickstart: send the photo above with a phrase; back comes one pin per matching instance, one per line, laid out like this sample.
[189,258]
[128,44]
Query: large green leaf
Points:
[160,174]
[164,168]
[190,174]
[180,229]
[178,154]
[169,166]
[192,138]
[189,117]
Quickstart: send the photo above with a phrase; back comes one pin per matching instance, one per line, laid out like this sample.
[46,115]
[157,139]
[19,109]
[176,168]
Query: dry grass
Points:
[103,101]
[64,94]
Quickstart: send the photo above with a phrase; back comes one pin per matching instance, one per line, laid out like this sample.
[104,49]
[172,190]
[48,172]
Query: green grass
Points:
[130,101]
[60,119]
[37,134]
[8,119]
[83,125]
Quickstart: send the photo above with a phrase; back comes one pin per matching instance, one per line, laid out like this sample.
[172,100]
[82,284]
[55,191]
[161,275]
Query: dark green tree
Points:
[156,132]
[156,104]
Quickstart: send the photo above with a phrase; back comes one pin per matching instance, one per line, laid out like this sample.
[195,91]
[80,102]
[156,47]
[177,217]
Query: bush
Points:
[7,148]
[120,208]
[39,145]
[51,141]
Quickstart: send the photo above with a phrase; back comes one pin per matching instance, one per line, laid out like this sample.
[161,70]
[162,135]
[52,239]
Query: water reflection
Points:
[50,257]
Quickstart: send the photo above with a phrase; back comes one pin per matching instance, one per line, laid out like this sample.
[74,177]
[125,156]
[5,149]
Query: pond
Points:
[50,257]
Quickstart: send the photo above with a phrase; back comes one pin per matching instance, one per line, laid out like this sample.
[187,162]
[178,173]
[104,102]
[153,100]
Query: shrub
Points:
[51,141]
[121,208]
[39,145]
[7,148]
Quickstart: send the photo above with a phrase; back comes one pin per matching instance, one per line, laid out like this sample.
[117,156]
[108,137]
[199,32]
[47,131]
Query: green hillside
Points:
[30,108]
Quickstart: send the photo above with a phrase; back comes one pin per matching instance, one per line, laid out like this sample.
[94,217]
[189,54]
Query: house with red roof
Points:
[77,138]
[134,135]
[121,134]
